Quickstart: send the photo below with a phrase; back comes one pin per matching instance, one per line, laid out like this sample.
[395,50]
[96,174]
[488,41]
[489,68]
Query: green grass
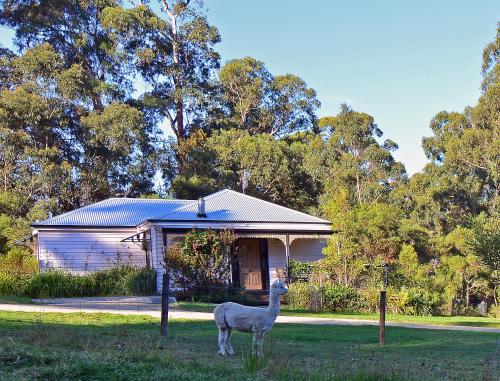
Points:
[15,300]
[49,346]
[434,320]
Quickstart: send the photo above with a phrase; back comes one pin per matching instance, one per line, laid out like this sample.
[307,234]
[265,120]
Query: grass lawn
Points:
[78,346]
[15,300]
[435,320]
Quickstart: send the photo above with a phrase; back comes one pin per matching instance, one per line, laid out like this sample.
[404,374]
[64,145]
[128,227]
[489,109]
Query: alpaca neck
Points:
[274,305]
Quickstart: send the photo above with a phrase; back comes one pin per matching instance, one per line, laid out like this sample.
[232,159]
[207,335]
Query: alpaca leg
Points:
[260,345]
[229,347]
[254,343]
[222,347]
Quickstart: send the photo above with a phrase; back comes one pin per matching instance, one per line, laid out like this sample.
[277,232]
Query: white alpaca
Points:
[256,320]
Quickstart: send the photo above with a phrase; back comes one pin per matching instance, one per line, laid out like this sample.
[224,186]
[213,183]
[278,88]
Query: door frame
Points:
[264,263]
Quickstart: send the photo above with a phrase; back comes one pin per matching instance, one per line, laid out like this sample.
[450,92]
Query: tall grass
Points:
[120,280]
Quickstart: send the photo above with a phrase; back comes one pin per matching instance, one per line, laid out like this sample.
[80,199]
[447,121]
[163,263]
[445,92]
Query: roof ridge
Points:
[193,202]
[278,205]
[148,199]
[240,194]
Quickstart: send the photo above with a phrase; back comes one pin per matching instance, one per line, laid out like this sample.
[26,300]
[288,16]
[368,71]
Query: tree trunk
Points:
[495,299]
[467,294]
[178,80]
[358,188]
[179,105]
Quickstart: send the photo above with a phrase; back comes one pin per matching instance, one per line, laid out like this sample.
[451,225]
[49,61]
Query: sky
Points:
[399,61]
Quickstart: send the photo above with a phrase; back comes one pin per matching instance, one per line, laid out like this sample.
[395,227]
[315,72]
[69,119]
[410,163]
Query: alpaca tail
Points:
[220,317]
[226,324]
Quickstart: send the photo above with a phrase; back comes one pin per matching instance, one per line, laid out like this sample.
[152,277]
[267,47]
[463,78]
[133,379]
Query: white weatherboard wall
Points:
[277,259]
[303,250]
[158,251]
[80,250]
[307,250]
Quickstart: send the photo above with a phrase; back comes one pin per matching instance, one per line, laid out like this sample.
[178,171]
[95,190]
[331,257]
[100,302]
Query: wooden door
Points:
[250,265]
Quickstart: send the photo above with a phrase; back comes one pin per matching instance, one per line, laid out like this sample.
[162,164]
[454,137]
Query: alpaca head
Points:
[278,287]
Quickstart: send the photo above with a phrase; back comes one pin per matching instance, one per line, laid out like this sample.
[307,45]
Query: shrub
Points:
[298,270]
[328,296]
[120,280]
[142,281]
[370,299]
[494,311]
[18,262]
[201,261]
[338,297]
[299,295]
[10,285]
[412,301]
[56,284]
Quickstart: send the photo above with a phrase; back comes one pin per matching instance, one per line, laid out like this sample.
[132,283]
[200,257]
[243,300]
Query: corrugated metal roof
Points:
[228,206]
[115,212]
[224,206]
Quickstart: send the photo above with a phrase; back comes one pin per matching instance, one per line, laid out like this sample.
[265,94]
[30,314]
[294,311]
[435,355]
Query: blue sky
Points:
[400,61]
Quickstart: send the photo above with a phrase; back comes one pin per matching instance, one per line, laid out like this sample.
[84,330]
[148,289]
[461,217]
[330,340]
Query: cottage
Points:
[137,231]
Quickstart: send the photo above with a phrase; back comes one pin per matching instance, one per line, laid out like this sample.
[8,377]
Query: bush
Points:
[299,295]
[201,261]
[338,297]
[412,301]
[328,296]
[57,284]
[298,270]
[494,311]
[10,285]
[120,280]
[370,299]
[18,262]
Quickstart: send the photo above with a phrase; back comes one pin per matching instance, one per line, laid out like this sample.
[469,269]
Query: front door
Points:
[250,264]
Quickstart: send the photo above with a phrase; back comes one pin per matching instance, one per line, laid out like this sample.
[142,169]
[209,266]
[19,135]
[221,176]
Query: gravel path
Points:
[135,306]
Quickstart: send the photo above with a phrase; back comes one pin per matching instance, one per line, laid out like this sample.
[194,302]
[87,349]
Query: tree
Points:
[485,242]
[72,70]
[467,144]
[368,235]
[356,161]
[259,102]
[218,161]
[438,200]
[175,57]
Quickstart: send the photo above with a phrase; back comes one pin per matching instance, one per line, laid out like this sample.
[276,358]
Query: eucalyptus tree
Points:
[71,69]
[174,53]
[259,102]
[355,160]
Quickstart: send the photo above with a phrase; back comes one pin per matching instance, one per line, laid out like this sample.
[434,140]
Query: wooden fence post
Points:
[382,308]
[164,303]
